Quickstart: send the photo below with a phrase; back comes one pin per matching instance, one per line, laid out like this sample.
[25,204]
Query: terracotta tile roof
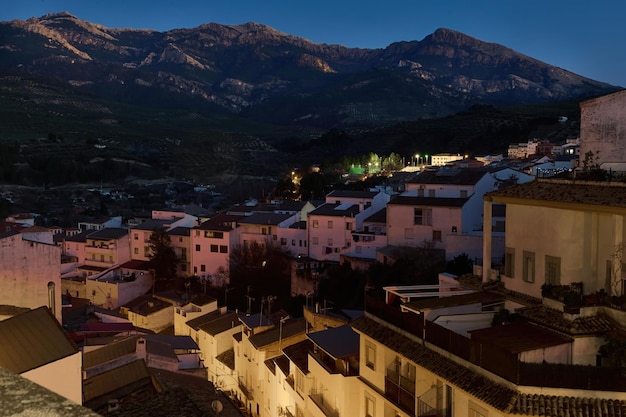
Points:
[559,406]
[556,319]
[449,176]
[290,328]
[135,373]
[402,200]
[33,339]
[519,336]
[379,217]
[454,300]
[352,194]
[493,393]
[221,324]
[565,191]
[227,358]
[298,354]
[265,218]
[337,210]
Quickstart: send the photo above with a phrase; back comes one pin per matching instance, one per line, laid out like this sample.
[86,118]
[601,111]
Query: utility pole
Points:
[250,300]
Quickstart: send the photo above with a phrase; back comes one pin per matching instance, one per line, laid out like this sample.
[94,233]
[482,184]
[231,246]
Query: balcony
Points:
[337,366]
[324,406]
[247,392]
[400,390]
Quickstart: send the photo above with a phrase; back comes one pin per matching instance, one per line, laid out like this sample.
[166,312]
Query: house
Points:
[211,245]
[410,364]
[35,346]
[215,337]
[416,221]
[366,241]
[106,247]
[261,339]
[32,283]
[579,235]
[149,313]
[471,184]
[101,223]
[181,243]
[195,308]
[264,228]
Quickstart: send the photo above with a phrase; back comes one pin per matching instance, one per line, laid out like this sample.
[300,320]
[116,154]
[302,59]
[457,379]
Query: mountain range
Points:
[81,100]
[262,74]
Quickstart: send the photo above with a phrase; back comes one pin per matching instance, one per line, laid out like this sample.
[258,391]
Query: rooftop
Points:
[33,339]
[403,200]
[563,194]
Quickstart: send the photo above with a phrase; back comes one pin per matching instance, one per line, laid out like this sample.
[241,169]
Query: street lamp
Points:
[417,159]
[280,330]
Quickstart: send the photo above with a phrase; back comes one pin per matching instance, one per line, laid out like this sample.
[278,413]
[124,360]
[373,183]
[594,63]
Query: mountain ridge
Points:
[248,68]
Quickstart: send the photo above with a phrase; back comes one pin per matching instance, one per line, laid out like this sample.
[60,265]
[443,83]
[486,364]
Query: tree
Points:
[460,265]
[163,259]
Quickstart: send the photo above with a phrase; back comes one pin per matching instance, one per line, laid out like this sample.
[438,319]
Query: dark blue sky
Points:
[587,38]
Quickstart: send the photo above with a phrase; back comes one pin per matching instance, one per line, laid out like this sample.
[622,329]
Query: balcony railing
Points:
[400,390]
[327,409]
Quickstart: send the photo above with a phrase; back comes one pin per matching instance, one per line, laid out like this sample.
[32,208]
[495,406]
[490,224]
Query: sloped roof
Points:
[221,324]
[109,352]
[220,222]
[563,193]
[115,379]
[205,318]
[333,209]
[378,217]
[227,358]
[352,194]
[265,218]
[519,336]
[339,342]
[403,200]
[33,339]
[289,328]
[556,319]
[493,393]
[468,176]
[152,224]
[558,406]
[298,353]
[454,300]
[108,233]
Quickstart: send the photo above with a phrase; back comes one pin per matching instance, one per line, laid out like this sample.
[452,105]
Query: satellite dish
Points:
[217,406]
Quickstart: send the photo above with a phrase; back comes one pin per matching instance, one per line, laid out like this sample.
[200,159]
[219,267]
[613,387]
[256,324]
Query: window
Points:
[264,231]
[136,236]
[197,248]
[212,234]
[283,241]
[408,233]
[315,224]
[422,216]
[223,249]
[315,240]
[370,405]
[349,225]
[528,272]
[330,224]
[509,262]
[370,355]
[293,242]
[299,382]
[203,268]
[214,248]
[436,235]
[553,270]
[136,251]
